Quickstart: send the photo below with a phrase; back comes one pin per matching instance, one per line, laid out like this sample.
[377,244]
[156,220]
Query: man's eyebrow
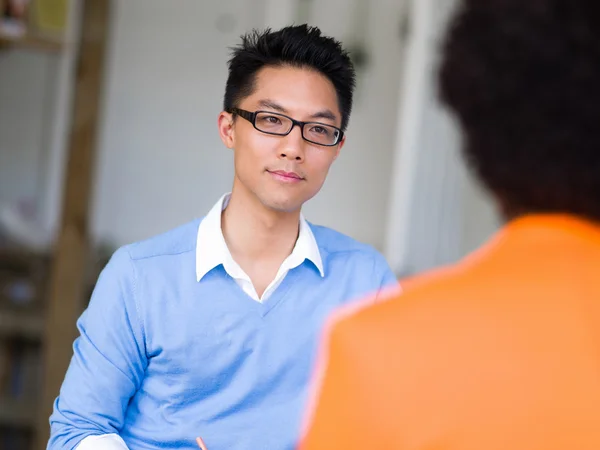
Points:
[325,114]
[270,104]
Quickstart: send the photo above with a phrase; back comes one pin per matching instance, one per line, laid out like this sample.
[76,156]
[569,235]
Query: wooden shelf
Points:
[26,324]
[31,42]
[17,413]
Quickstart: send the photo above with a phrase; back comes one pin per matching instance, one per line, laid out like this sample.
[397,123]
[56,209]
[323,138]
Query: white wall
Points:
[355,197]
[161,161]
[26,82]
[437,212]
[36,88]
[482,218]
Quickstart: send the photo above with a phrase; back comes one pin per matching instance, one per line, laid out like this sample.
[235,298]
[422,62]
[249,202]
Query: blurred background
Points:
[108,135]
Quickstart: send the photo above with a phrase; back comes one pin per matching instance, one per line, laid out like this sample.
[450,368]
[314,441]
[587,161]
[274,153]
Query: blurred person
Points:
[501,350]
[211,329]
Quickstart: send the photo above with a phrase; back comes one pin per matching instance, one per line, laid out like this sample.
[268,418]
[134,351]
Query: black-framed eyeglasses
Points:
[281,125]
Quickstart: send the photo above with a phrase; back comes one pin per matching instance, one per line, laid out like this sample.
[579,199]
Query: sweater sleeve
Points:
[386,281]
[108,363]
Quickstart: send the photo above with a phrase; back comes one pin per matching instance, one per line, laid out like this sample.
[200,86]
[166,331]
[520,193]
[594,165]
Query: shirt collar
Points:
[212,251]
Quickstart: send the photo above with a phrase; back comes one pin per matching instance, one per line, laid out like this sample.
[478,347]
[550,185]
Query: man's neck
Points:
[254,232]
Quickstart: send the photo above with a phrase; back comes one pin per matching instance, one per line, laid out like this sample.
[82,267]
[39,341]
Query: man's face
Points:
[283,172]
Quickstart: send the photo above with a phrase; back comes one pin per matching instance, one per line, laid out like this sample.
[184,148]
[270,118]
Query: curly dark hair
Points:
[296,46]
[523,78]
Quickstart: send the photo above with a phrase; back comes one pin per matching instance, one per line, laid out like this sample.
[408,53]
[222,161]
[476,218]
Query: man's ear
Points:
[339,148]
[226,129]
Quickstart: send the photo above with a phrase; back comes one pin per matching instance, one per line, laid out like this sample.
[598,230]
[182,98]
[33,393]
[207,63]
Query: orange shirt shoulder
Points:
[498,351]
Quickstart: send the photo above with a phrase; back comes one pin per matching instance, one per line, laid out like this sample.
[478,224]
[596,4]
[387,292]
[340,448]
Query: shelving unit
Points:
[23,279]
[30,42]
[17,414]
[54,286]
[28,325]
[22,291]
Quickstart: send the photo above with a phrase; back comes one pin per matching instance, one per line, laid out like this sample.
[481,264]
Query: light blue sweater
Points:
[163,358]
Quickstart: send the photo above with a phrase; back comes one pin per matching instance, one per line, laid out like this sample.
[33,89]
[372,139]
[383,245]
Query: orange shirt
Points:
[498,352]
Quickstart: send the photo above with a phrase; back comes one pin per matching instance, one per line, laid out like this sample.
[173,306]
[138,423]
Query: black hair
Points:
[296,46]
[523,78]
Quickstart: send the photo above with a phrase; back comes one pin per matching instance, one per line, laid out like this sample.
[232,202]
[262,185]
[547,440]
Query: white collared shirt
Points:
[211,251]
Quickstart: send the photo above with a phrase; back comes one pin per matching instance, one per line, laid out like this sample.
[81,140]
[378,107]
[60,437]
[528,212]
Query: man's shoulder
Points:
[332,242]
[179,240]
[419,300]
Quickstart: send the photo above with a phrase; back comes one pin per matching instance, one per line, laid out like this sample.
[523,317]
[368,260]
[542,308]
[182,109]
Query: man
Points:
[209,330]
[502,350]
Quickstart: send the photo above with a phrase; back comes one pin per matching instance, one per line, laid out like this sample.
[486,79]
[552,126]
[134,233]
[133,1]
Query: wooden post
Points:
[67,280]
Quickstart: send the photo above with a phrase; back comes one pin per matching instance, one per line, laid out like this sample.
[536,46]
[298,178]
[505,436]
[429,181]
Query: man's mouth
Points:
[289,177]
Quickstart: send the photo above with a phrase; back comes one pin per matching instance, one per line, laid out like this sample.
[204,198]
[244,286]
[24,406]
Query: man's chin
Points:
[287,206]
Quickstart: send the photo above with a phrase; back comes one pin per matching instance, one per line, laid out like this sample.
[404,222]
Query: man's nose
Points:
[292,145]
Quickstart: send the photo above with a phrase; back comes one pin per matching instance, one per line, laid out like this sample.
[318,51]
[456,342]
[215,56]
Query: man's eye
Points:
[272,119]
[319,130]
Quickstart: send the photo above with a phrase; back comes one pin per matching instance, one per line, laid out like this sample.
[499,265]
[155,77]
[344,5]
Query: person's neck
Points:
[254,232]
